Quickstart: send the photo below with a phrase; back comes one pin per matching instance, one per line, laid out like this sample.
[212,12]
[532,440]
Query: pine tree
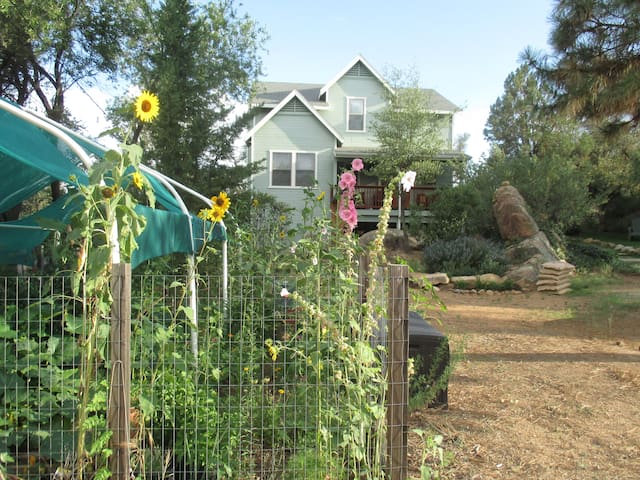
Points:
[596,64]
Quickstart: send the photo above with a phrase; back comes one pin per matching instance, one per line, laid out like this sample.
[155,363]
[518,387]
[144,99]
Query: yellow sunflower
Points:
[221,201]
[215,214]
[147,106]
[138,181]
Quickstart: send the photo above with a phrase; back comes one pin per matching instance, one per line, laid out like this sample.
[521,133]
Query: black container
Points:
[432,348]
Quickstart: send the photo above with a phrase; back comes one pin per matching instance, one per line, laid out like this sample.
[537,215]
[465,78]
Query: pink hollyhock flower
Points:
[357,164]
[349,214]
[347,181]
[284,293]
[408,180]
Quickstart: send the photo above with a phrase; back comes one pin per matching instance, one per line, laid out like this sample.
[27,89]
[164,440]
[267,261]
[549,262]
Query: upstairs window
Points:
[355,114]
[293,169]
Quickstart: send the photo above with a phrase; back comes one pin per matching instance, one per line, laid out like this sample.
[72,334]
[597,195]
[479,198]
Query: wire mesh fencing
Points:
[256,383]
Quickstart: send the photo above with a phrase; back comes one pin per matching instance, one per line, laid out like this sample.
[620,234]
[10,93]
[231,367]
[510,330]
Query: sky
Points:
[464,49]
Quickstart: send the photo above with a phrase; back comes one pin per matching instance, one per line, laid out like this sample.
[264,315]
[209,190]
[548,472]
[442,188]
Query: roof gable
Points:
[293,102]
[359,67]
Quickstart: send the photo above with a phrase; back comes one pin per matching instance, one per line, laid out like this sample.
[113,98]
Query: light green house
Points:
[307,134]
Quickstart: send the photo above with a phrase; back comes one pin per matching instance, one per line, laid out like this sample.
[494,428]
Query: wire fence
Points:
[258,388]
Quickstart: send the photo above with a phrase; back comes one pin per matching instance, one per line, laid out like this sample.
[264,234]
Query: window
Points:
[355,114]
[293,169]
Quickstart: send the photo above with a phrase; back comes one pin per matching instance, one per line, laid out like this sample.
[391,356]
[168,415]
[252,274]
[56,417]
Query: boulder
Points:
[393,240]
[511,213]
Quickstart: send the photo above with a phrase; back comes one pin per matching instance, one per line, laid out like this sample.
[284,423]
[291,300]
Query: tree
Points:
[47,46]
[408,130]
[549,157]
[517,121]
[201,62]
[596,64]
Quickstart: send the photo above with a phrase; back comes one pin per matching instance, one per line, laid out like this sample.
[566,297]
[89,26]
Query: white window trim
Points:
[294,154]
[364,114]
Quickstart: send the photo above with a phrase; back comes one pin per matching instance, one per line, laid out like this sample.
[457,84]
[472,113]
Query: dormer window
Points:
[356,107]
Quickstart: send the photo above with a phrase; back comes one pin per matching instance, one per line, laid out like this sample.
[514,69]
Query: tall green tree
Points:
[595,66]
[201,61]
[549,156]
[517,120]
[47,46]
[408,130]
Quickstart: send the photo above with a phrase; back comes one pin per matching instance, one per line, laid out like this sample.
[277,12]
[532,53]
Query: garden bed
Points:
[548,387]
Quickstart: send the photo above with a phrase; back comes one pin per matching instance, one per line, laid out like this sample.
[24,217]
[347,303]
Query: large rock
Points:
[527,247]
[393,240]
[511,213]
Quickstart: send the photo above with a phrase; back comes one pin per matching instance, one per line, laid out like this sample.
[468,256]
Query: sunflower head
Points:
[221,201]
[215,214]
[138,180]
[147,106]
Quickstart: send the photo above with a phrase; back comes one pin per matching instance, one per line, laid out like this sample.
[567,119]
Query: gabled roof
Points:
[349,66]
[270,94]
[293,94]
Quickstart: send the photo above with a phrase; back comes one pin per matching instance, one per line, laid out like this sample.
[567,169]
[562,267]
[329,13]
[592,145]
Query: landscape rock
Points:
[512,215]
[393,240]
[490,278]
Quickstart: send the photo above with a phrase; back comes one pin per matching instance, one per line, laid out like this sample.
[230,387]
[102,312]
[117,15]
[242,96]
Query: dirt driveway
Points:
[548,386]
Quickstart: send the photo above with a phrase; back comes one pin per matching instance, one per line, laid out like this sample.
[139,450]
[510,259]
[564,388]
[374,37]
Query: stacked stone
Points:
[555,277]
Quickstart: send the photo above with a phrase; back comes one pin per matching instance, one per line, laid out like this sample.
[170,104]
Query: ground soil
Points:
[548,387]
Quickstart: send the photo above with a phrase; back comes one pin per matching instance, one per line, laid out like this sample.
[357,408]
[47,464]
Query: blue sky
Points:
[462,48]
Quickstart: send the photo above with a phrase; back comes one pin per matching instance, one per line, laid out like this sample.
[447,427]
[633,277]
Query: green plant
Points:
[590,257]
[433,459]
[503,286]
[465,256]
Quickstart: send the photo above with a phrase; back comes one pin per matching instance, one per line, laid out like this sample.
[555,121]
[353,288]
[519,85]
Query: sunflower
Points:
[138,180]
[221,201]
[147,106]
[215,214]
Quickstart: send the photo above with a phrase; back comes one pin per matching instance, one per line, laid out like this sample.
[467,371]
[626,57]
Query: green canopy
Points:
[34,152]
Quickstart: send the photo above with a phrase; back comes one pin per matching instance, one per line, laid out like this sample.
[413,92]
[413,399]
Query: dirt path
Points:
[548,388]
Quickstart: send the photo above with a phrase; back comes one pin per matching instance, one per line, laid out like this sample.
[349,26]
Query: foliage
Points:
[46,46]
[466,208]
[425,386]
[478,284]
[595,63]
[408,131]
[550,159]
[518,121]
[590,257]
[201,59]
[465,256]
[433,459]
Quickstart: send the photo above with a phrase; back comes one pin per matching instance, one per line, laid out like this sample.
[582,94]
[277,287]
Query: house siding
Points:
[292,132]
[367,87]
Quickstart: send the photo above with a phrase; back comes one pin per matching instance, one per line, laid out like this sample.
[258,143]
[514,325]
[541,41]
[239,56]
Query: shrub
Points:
[465,256]
[589,257]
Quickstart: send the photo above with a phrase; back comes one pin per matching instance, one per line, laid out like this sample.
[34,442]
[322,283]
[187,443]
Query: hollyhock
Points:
[347,181]
[349,214]
[408,180]
[357,164]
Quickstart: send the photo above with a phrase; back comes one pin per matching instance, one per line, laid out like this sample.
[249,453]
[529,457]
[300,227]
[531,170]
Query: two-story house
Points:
[307,134]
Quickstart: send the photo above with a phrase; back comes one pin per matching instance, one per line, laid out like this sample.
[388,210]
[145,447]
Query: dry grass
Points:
[549,387]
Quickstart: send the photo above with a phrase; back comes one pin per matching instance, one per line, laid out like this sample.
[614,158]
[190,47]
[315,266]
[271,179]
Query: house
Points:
[307,134]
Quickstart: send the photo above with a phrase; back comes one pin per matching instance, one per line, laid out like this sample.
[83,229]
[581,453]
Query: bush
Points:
[589,257]
[465,256]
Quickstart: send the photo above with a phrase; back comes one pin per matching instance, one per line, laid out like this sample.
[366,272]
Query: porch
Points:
[369,198]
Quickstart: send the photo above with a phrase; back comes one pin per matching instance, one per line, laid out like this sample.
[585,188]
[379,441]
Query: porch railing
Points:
[372,196]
